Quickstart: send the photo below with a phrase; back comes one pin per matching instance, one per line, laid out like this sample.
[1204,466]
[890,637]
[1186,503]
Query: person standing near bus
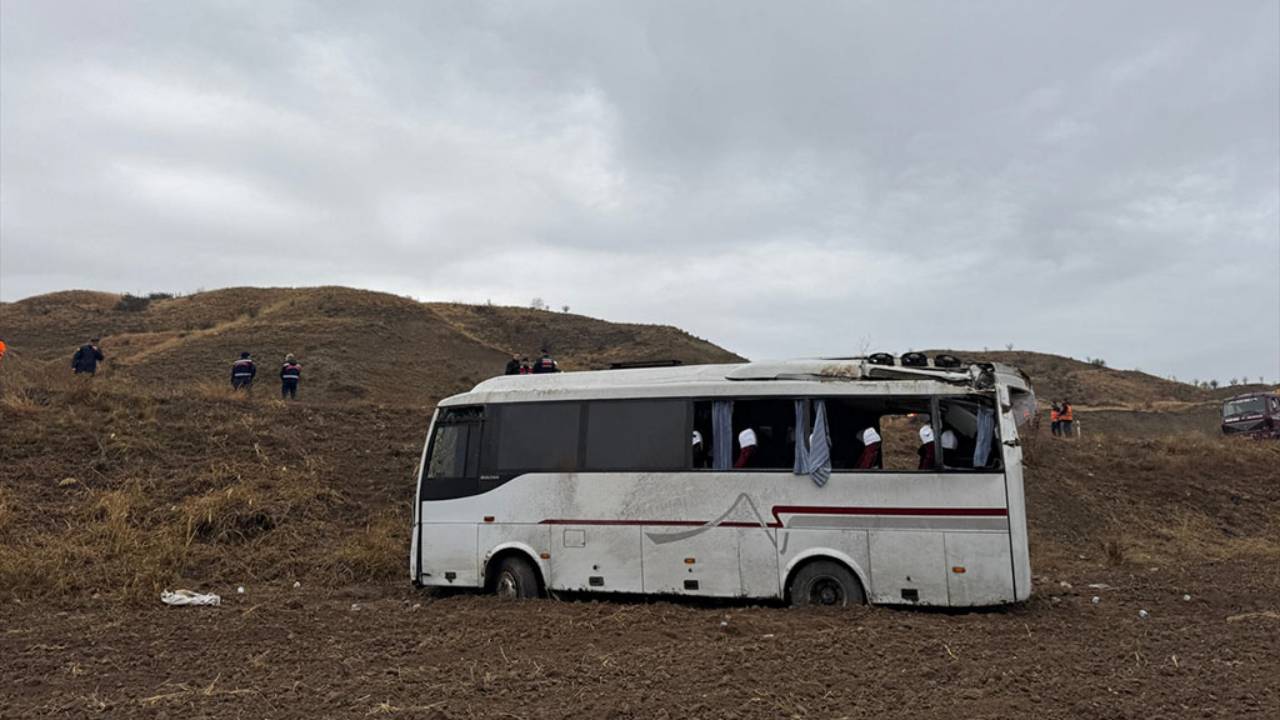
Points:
[3,348]
[545,364]
[242,372]
[1055,419]
[1066,419]
[290,374]
[513,366]
[87,358]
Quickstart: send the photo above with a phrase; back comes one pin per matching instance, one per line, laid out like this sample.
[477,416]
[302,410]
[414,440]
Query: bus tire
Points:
[515,579]
[825,583]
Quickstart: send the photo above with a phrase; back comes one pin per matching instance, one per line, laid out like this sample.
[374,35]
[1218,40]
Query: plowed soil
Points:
[387,650]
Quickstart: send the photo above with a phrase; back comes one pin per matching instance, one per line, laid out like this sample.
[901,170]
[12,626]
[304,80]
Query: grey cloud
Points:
[1084,178]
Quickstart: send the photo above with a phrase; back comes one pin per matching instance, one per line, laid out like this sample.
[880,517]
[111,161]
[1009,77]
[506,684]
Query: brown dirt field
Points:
[387,650]
[172,492]
[116,487]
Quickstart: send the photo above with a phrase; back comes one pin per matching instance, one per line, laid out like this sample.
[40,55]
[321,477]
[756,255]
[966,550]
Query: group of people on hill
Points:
[243,371]
[1061,418]
[518,365]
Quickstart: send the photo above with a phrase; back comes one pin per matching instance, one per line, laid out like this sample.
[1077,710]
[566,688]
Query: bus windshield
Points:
[1244,406]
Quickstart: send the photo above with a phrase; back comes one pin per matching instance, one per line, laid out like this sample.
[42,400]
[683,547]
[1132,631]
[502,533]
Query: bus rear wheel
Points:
[515,579]
[825,583]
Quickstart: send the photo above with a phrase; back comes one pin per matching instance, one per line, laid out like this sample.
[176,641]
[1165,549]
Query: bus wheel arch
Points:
[513,572]
[824,578]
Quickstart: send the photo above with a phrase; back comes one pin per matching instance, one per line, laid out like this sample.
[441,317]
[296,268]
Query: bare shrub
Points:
[1114,549]
[133,303]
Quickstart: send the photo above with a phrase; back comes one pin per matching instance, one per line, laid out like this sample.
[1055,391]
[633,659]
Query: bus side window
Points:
[452,467]
[961,420]
[771,425]
[637,435]
[448,452]
[895,421]
[538,437]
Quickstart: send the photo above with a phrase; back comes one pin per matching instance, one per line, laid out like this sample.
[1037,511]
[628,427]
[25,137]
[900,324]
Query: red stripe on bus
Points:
[954,512]
[678,523]
[779,510]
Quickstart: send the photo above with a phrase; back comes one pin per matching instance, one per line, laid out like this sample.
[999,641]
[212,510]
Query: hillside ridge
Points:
[365,344]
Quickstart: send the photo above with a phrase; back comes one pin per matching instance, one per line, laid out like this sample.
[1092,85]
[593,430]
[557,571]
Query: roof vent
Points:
[880,359]
[915,359]
[946,361]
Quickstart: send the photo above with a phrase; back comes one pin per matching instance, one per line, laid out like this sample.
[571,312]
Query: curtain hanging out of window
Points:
[722,434]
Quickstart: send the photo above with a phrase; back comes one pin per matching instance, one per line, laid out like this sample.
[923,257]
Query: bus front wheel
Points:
[825,583]
[515,579]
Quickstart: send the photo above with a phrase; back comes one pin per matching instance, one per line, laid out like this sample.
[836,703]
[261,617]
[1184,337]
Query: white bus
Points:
[597,482]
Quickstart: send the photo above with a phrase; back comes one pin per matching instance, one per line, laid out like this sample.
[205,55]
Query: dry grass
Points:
[124,492]
[379,550]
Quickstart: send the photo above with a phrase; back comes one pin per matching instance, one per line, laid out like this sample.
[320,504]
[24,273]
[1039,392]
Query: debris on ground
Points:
[189,597]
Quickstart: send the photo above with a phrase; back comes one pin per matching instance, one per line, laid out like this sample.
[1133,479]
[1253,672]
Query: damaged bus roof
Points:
[853,376]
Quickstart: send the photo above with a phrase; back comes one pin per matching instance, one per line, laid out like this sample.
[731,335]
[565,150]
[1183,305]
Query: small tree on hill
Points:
[1213,384]
[537,304]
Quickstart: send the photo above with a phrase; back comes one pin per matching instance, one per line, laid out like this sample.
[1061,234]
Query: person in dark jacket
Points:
[290,374]
[513,366]
[545,364]
[242,372]
[87,358]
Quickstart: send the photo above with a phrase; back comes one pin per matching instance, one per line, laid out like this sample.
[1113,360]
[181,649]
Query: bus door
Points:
[451,474]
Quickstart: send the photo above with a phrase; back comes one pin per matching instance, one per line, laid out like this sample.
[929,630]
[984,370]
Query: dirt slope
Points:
[352,344]
[108,496]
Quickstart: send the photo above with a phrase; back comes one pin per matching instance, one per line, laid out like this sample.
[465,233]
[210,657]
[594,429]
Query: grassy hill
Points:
[356,344]
[352,344]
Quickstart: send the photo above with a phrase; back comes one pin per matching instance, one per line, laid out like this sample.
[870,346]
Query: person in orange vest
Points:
[3,347]
[1055,418]
[1065,418]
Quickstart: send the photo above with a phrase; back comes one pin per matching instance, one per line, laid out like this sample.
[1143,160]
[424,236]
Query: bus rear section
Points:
[607,492]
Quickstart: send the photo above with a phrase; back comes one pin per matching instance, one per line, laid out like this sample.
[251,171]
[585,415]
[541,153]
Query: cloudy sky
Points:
[1093,179]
